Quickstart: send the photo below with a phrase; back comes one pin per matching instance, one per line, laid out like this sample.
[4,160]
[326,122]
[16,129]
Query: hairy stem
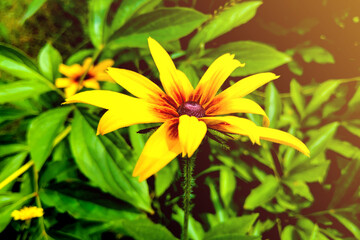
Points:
[187,187]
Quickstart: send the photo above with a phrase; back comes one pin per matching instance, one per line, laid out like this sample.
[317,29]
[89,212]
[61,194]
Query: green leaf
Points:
[33,7]
[42,133]
[345,184]
[224,22]
[195,229]
[316,54]
[300,188]
[235,236]
[317,144]
[144,229]
[263,193]
[227,185]
[84,202]
[296,96]
[22,89]
[214,196]
[345,149]
[239,225]
[98,11]
[272,104]
[295,68]
[354,102]
[107,165]
[309,172]
[165,177]
[9,149]
[290,233]
[14,62]
[49,60]
[321,95]
[258,57]
[137,140]
[125,11]
[352,224]
[9,165]
[352,129]
[163,25]
[10,113]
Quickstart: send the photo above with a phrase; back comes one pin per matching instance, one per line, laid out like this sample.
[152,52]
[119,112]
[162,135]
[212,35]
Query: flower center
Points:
[192,109]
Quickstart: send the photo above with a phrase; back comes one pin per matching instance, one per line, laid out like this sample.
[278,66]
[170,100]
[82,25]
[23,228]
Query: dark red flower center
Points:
[192,109]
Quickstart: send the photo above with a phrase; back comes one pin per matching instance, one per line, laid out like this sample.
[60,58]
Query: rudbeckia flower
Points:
[185,113]
[74,72]
[27,213]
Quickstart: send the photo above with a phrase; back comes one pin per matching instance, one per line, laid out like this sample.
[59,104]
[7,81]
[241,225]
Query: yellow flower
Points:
[186,113]
[27,213]
[74,72]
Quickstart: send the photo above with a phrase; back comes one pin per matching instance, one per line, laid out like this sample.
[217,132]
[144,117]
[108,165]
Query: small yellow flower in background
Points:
[186,113]
[74,72]
[27,213]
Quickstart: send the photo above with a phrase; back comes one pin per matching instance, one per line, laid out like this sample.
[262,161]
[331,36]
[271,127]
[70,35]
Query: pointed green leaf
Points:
[22,89]
[258,57]
[272,104]
[224,22]
[227,185]
[296,96]
[352,224]
[239,225]
[83,202]
[166,24]
[8,149]
[14,62]
[144,229]
[321,95]
[107,165]
[42,133]
[98,11]
[125,11]
[316,54]
[49,60]
[33,7]
[263,193]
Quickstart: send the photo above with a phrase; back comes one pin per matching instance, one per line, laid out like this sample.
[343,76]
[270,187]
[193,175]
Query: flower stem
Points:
[187,187]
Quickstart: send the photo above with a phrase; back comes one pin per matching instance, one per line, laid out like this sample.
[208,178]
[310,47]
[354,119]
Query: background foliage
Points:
[84,182]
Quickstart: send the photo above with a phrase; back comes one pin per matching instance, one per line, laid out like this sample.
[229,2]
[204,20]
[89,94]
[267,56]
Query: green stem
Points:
[187,187]
[38,203]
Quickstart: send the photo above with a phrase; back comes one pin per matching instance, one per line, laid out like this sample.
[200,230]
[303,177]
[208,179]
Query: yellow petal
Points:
[135,83]
[103,76]
[175,85]
[102,66]
[71,89]
[237,105]
[72,71]
[62,82]
[162,147]
[282,137]
[127,114]
[191,133]
[236,125]
[86,63]
[91,83]
[247,85]
[214,77]
[103,98]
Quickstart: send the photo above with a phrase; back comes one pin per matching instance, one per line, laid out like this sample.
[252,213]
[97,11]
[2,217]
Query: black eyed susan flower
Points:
[72,83]
[27,213]
[186,113]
